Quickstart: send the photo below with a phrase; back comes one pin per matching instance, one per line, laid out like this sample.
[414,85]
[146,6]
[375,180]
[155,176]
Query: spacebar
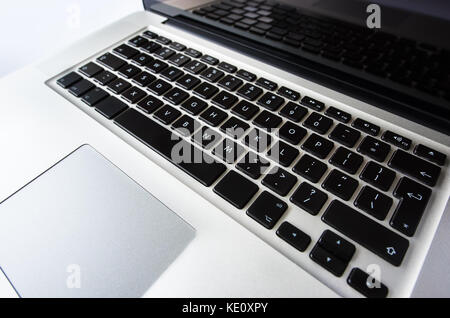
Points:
[370,234]
[197,164]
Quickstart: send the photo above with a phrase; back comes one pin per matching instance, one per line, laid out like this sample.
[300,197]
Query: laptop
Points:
[232,149]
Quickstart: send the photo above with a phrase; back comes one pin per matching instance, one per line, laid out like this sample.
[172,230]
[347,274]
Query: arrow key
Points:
[294,236]
[335,244]
[328,260]
[413,201]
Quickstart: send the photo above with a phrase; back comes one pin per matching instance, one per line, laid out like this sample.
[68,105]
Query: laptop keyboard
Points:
[239,134]
[417,65]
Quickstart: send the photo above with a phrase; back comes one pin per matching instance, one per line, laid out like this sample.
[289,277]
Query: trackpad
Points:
[85,229]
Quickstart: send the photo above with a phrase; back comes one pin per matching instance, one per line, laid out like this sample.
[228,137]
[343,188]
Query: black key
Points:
[212,75]
[143,79]
[312,103]
[228,150]
[80,88]
[142,59]
[129,71]
[430,154]
[279,181]
[245,110]
[150,35]
[310,168]
[396,140]
[289,93]
[209,60]
[250,92]
[163,40]
[156,66]
[178,46]
[69,80]
[414,198]
[370,234]
[213,116]
[206,90]
[245,75]
[415,167]
[327,260]
[227,67]
[367,127]
[160,140]
[292,133]
[167,114]
[159,87]
[345,135]
[293,236]
[338,114]
[224,100]
[265,83]
[133,95]
[293,111]
[366,285]
[318,146]
[150,104]
[186,125]
[378,176]
[176,96]
[336,245]
[230,83]
[253,165]
[234,127]
[206,137]
[267,210]
[193,53]
[267,120]
[179,60]
[248,21]
[271,101]
[258,140]
[283,154]
[309,198]
[188,82]
[104,78]
[374,202]
[194,106]
[236,189]
[90,69]
[110,107]
[94,96]
[242,26]
[340,184]
[151,47]
[346,160]
[374,148]
[111,61]
[138,41]
[172,74]
[195,67]
[164,53]
[318,123]
[125,51]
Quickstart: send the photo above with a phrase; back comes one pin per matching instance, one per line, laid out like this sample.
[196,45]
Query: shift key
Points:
[373,236]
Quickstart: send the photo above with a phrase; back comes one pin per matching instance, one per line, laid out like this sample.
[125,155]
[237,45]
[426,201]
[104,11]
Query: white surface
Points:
[401,279]
[33,29]
[224,260]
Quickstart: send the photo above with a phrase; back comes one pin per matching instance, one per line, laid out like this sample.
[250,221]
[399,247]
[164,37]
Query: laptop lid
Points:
[393,55]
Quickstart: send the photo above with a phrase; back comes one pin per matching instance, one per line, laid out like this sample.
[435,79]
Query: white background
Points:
[32,29]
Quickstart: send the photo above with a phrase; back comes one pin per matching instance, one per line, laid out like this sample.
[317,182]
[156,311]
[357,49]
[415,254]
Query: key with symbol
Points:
[413,201]
[309,198]
[267,210]
[294,236]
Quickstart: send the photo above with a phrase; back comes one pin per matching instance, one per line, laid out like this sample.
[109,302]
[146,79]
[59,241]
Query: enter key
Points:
[414,198]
